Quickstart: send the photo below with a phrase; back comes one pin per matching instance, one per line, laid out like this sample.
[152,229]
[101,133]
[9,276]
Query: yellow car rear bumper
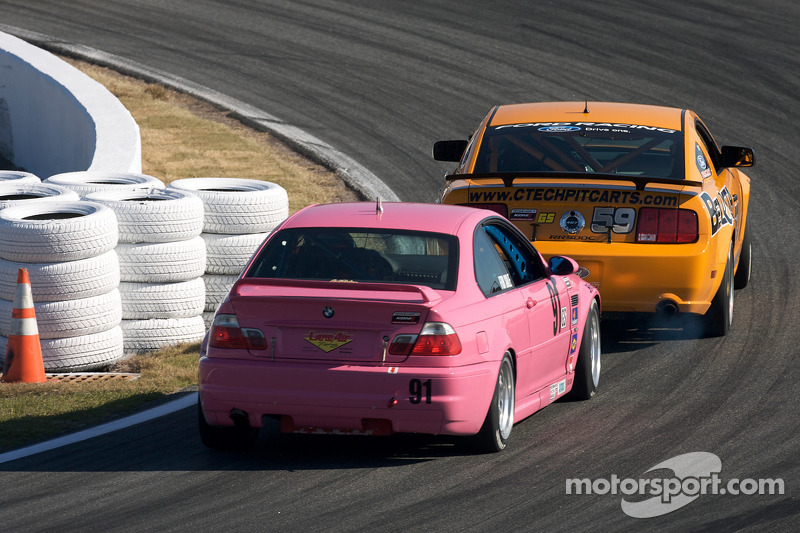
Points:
[646,277]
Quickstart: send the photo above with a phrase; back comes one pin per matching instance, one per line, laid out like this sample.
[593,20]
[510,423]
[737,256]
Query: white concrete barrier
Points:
[55,119]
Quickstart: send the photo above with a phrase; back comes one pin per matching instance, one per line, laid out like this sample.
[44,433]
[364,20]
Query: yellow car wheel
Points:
[742,277]
[719,317]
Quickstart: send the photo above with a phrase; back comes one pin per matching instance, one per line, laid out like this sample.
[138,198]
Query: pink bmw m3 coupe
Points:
[370,318]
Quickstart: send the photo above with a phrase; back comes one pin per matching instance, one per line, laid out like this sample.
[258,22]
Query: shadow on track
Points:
[635,331]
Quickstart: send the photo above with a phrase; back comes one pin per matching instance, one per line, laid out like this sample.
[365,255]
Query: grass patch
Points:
[181,138]
[30,412]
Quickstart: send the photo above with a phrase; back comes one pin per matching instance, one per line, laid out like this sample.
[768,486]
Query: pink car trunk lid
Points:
[329,321]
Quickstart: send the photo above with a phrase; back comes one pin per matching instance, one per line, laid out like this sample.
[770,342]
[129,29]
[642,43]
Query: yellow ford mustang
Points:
[641,196]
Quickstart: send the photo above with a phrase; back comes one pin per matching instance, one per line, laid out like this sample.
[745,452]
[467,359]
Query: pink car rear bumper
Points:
[377,400]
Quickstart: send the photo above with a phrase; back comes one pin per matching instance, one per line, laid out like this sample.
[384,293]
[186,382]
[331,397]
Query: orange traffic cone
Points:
[24,353]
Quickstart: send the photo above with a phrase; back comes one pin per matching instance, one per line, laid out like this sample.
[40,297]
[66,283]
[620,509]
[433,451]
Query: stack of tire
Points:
[239,215]
[88,181]
[67,246]
[162,259]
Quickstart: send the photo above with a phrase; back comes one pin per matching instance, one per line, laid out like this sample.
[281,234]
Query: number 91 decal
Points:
[420,391]
[617,219]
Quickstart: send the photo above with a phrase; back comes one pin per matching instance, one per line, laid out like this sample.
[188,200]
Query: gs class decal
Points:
[720,209]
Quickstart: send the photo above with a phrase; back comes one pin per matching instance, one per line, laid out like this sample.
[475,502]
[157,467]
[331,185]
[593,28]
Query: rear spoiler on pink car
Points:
[508,178]
[251,286]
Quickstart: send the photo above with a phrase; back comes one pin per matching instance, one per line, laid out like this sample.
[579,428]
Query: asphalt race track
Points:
[381,81]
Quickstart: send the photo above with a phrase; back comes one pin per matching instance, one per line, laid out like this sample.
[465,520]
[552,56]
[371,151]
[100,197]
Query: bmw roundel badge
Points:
[327,312]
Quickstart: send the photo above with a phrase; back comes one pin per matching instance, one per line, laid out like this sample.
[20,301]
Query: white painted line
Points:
[167,408]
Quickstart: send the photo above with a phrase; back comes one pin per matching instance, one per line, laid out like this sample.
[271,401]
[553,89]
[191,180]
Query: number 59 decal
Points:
[617,219]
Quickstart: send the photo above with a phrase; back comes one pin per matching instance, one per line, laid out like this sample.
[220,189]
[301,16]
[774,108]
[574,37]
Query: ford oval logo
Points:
[560,128]
[327,312]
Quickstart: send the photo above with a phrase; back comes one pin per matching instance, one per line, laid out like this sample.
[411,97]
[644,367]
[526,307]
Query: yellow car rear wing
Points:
[508,178]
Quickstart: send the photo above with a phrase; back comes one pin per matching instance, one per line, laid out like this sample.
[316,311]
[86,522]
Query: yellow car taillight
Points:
[660,225]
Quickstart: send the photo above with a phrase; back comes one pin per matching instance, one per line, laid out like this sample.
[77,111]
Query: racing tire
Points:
[719,317]
[88,181]
[83,353]
[70,318]
[20,193]
[17,177]
[217,288]
[493,435]
[236,205]
[743,271]
[153,215]
[182,299]
[229,254]
[587,368]
[225,438]
[143,336]
[68,280]
[40,232]
[162,262]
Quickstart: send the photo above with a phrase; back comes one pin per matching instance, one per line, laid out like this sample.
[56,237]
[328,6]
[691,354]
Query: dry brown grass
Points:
[185,138]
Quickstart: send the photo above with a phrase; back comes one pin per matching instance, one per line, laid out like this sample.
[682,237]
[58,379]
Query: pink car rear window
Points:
[359,255]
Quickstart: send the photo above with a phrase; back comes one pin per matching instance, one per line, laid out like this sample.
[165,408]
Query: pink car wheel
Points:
[587,370]
[493,436]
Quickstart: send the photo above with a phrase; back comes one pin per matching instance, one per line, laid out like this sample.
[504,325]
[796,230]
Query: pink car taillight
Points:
[436,338]
[672,226]
[226,333]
